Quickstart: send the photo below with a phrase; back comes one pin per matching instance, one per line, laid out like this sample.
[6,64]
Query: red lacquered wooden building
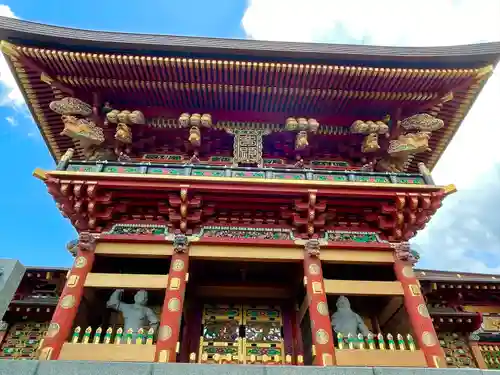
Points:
[244,185]
[28,316]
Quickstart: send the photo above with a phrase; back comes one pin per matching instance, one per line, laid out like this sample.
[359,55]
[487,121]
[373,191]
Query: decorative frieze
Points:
[246,233]
[138,229]
[348,236]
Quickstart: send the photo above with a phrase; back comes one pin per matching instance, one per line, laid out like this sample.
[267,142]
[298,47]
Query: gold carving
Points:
[178,265]
[317,288]
[194,136]
[301,140]
[174,304]
[322,337]
[491,323]
[82,130]
[422,310]
[123,133]
[53,330]
[175,283]
[408,144]
[370,143]
[80,262]
[71,106]
[9,49]
[422,122]
[72,281]
[314,269]
[68,301]
[164,333]
[248,146]
[322,308]
[428,339]
[414,290]
[312,247]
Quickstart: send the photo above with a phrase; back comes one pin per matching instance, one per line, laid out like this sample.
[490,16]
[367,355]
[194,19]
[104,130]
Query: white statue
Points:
[136,315]
[346,321]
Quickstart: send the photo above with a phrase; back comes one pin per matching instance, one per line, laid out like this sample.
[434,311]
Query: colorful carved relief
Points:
[456,350]
[345,236]
[138,229]
[247,233]
[23,340]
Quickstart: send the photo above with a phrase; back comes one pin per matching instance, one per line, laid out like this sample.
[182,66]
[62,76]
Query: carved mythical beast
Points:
[312,247]
[408,144]
[82,129]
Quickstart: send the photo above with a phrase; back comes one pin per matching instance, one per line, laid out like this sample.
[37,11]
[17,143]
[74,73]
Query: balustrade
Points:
[491,355]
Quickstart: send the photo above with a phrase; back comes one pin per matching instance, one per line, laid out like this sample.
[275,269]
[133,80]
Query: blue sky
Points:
[465,234]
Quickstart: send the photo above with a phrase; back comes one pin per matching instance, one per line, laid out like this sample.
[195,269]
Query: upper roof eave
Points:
[454,277]
[47,36]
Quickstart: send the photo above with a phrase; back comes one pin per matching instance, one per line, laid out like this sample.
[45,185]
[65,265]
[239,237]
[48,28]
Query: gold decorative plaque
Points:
[248,146]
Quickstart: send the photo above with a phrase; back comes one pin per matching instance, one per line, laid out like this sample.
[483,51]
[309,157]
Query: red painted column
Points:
[416,307]
[69,301]
[322,335]
[171,314]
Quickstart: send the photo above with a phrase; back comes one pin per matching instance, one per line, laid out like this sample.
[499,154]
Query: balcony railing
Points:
[377,350]
[287,174]
[117,345]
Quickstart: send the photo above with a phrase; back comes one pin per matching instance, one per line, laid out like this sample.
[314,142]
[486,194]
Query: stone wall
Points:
[9,367]
[12,273]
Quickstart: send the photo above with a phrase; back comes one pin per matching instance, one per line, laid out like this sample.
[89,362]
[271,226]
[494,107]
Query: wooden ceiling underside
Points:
[141,82]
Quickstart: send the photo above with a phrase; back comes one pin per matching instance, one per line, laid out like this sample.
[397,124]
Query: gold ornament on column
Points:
[322,336]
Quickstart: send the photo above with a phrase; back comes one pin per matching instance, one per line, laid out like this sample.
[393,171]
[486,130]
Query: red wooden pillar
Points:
[416,307]
[322,335]
[67,308]
[171,314]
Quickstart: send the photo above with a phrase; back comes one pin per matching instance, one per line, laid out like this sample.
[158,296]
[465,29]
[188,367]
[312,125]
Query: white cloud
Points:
[465,233]
[10,95]
[11,120]
[384,22]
